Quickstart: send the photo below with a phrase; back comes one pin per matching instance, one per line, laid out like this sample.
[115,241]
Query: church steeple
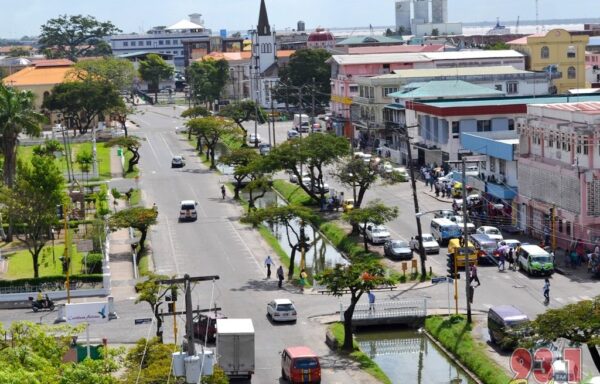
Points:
[263,28]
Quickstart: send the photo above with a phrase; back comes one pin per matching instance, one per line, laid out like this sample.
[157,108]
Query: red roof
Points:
[589,108]
[321,35]
[301,351]
[53,63]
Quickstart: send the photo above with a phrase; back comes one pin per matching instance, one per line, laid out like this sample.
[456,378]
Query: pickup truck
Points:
[235,347]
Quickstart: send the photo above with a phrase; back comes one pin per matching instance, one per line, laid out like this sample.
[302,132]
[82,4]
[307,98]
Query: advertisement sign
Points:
[95,312]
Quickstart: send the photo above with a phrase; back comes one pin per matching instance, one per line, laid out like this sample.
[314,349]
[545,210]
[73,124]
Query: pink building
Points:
[559,167]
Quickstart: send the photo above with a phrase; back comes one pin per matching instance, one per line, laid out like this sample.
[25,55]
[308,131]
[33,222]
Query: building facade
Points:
[558,53]
[559,168]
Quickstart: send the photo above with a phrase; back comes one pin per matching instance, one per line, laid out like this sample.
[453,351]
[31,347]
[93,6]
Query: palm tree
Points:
[17,115]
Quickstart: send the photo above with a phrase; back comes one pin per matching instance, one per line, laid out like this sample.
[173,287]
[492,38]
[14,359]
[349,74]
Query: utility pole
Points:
[187,281]
[300,106]
[422,255]
[312,111]
[466,240]
[272,114]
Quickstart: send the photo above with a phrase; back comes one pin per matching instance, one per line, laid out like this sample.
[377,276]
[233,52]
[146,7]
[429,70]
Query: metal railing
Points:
[389,309]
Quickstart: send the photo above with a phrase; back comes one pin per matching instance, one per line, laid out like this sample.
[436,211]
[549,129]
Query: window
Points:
[140,43]
[353,88]
[585,146]
[361,91]
[512,87]
[167,42]
[560,225]
[455,127]
[571,52]
[484,125]
[571,73]
[498,87]
[550,141]
[492,164]
[511,125]
[502,166]
[545,52]
[126,43]
[148,43]
[175,41]
[160,42]
[387,90]
[568,228]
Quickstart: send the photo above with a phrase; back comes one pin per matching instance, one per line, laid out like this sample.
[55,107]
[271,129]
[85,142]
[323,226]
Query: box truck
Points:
[301,122]
[235,347]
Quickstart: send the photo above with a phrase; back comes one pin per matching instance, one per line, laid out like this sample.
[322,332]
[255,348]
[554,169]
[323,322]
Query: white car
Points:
[458,219]
[377,234]
[294,178]
[493,232]
[429,244]
[292,134]
[254,138]
[282,310]
[402,172]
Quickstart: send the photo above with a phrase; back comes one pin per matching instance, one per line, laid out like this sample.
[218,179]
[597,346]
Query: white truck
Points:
[235,347]
[301,122]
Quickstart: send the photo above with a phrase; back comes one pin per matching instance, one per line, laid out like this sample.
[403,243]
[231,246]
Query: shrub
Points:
[93,262]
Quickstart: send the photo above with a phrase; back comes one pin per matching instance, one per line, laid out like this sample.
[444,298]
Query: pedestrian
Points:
[443,190]
[371,301]
[448,190]
[501,260]
[268,263]
[474,276]
[546,291]
[223,191]
[437,189]
[280,276]
[303,276]
[427,178]
[511,259]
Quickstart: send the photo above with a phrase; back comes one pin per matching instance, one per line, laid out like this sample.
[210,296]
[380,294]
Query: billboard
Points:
[94,312]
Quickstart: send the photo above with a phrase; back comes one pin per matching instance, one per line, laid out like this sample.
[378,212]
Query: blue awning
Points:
[501,191]
[397,107]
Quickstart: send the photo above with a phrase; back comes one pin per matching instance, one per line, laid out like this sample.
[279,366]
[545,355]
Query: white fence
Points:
[388,309]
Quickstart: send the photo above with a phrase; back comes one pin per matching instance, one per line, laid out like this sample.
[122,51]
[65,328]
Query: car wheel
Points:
[283,376]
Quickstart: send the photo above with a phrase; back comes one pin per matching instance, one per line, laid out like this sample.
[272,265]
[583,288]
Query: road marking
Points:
[235,231]
[172,245]
[166,144]
[151,147]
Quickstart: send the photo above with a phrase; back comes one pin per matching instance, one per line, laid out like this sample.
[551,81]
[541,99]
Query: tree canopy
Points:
[239,159]
[82,102]
[118,72]
[375,212]
[153,70]
[133,144]
[151,291]
[362,275]
[212,130]
[32,202]
[75,36]
[355,173]
[139,218]
[206,80]
[242,111]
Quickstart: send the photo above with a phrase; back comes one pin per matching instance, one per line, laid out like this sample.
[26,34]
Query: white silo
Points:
[439,11]
[403,14]
[421,11]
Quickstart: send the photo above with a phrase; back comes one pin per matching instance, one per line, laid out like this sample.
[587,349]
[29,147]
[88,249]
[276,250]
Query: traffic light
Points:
[59,212]
[450,263]
[173,295]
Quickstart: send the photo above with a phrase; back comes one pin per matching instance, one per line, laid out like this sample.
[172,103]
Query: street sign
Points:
[146,320]
[85,246]
[435,280]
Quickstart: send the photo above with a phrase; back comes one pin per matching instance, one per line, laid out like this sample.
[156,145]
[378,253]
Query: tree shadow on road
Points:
[260,285]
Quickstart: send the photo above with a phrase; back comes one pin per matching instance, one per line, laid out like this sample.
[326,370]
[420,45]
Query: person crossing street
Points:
[280,276]
[268,263]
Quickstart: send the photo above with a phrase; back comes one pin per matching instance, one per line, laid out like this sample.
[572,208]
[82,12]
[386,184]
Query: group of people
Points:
[281,276]
[508,255]
[333,202]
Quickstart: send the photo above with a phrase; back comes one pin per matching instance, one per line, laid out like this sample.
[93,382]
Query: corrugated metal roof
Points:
[38,76]
[461,71]
[589,107]
[510,101]
[358,40]
[447,88]
[423,56]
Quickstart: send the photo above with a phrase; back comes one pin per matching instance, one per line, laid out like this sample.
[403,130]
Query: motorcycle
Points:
[37,305]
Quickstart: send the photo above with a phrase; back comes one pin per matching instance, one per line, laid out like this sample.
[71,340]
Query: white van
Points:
[444,229]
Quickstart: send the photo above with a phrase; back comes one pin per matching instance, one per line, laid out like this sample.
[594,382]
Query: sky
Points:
[18,19]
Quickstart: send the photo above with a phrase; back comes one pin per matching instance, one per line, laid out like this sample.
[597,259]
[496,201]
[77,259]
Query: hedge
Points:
[95,278]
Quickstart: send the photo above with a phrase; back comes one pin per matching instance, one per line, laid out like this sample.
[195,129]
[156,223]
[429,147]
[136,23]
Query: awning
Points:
[397,107]
[501,191]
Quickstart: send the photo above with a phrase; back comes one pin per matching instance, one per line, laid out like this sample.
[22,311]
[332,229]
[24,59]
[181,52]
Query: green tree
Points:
[239,159]
[133,144]
[497,46]
[578,322]
[242,111]
[355,173]
[286,216]
[139,218]
[311,154]
[85,160]
[33,353]
[153,292]
[19,51]
[304,66]
[212,130]
[375,212]
[435,32]
[149,362]
[17,115]
[358,277]
[48,148]
[153,70]
[32,203]
[75,36]
[206,79]
[259,184]
[82,102]
[191,113]
[120,73]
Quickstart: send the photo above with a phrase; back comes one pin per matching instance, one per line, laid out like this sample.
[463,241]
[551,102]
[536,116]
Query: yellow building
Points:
[559,53]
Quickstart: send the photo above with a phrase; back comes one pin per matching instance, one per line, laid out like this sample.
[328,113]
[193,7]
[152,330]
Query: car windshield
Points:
[378,230]
[187,207]
[306,363]
[492,231]
[427,238]
[541,259]
[400,244]
[285,307]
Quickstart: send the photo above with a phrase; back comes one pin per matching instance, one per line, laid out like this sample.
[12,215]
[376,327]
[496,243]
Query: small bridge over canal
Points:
[410,312]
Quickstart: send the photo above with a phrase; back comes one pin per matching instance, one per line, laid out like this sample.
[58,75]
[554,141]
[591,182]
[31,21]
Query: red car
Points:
[205,320]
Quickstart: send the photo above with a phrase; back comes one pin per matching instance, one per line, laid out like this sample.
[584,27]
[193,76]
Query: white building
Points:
[403,14]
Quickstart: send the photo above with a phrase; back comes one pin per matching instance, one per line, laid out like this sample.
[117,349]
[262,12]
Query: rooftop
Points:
[360,40]
[38,75]
[422,56]
[588,108]
[504,101]
[184,24]
[461,71]
[446,88]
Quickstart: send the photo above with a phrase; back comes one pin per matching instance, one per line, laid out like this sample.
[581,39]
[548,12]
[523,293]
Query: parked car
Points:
[205,326]
[294,178]
[429,244]
[386,168]
[315,185]
[493,232]
[458,219]
[512,243]
[471,200]
[292,134]
[300,365]
[535,260]
[397,250]
[377,234]
[444,214]
[254,138]
[402,173]
[281,310]
[264,148]
[177,162]
[183,129]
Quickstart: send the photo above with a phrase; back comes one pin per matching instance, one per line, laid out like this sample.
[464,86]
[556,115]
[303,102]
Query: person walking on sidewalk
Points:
[546,291]
[501,260]
[268,263]
[371,301]
[280,276]
[474,276]
[223,191]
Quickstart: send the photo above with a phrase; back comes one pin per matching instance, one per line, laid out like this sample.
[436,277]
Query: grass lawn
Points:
[292,192]
[136,171]
[455,335]
[365,362]
[20,265]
